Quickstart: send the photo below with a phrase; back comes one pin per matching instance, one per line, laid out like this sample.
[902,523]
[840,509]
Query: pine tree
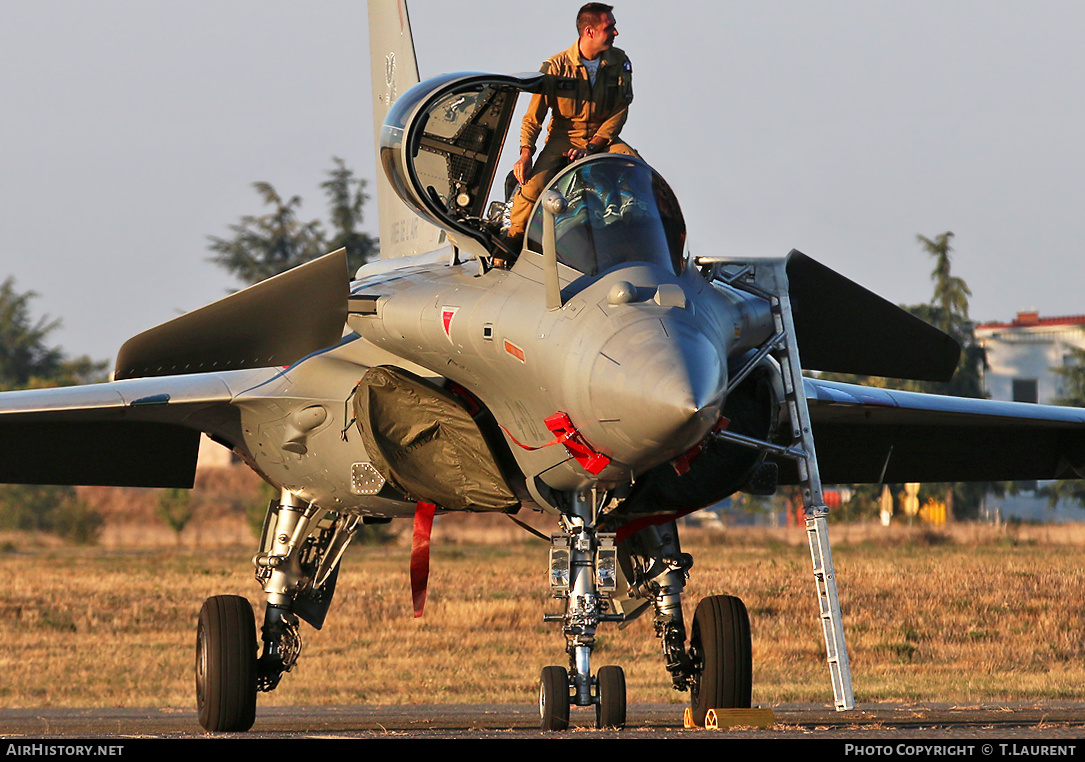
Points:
[268,244]
[947,311]
[26,359]
[346,197]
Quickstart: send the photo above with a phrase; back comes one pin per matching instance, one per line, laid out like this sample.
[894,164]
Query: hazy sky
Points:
[132,130]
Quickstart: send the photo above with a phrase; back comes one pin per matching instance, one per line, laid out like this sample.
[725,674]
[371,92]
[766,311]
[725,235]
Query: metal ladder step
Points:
[817,528]
[768,280]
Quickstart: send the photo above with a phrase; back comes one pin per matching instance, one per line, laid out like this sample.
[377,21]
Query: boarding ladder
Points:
[767,278]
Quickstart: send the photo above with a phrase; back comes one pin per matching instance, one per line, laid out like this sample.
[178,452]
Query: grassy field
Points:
[965,615]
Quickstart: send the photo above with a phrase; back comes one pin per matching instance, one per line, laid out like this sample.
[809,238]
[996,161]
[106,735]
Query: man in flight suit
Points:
[587,89]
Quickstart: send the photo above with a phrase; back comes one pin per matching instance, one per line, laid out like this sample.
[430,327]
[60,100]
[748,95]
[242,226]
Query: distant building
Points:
[1020,358]
[213,455]
[1022,353]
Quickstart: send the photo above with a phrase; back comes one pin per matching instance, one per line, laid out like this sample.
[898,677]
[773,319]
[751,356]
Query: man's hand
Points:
[521,170]
[595,146]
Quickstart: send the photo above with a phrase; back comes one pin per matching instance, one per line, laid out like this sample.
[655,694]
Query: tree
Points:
[947,311]
[23,352]
[49,508]
[1073,394]
[26,359]
[1073,379]
[271,243]
[266,245]
[346,197]
[175,507]
[950,292]
[967,380]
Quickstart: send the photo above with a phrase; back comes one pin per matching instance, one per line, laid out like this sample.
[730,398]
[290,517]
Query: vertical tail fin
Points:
[394,70]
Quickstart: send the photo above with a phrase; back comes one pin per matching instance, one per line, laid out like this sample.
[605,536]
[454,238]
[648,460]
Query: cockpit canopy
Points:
[440,147]
[441,143]
[619,210]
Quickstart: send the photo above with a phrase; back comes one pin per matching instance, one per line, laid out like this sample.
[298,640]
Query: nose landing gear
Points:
[609,699]
[583,572]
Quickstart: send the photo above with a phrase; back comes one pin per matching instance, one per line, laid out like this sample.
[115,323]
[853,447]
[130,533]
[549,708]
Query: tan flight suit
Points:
[580,111]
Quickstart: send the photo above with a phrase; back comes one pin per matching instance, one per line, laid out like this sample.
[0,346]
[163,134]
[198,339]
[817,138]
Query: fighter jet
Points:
[601,375]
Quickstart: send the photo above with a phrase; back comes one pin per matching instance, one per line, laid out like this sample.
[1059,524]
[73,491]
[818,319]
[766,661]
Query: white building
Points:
[1022,353]
[213,455]
[1020,358]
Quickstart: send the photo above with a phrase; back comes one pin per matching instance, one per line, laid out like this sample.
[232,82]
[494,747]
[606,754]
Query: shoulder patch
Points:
[628,66]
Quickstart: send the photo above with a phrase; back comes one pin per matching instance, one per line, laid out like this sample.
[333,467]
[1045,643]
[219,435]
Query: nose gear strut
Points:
[583,568]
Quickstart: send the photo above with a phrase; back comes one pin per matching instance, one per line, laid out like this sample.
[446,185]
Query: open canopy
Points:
[441,143]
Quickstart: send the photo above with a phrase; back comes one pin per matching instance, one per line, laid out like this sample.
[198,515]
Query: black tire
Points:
[554,698]
[610,709]
[226,664]
[720,642]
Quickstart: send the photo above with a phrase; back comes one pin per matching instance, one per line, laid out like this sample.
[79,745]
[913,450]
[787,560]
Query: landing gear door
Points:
[441,144]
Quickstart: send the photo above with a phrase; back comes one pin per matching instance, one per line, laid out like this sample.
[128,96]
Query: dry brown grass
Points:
[964,615]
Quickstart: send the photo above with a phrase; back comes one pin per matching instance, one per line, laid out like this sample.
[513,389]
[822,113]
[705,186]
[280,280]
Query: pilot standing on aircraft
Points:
[587,89]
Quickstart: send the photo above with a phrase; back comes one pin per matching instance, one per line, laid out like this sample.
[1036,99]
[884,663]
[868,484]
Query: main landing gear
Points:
[297,566]
[226,664]
[719,645]
[584,564]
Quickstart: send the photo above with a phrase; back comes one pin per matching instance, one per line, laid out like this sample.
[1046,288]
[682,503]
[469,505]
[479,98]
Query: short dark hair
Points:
[591,15]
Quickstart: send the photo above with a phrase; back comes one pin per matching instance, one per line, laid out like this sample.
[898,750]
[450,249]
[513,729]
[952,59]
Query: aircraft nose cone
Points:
[656,389]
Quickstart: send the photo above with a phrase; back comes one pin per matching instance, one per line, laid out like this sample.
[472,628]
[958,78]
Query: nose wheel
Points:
[554,698]
[610,698]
